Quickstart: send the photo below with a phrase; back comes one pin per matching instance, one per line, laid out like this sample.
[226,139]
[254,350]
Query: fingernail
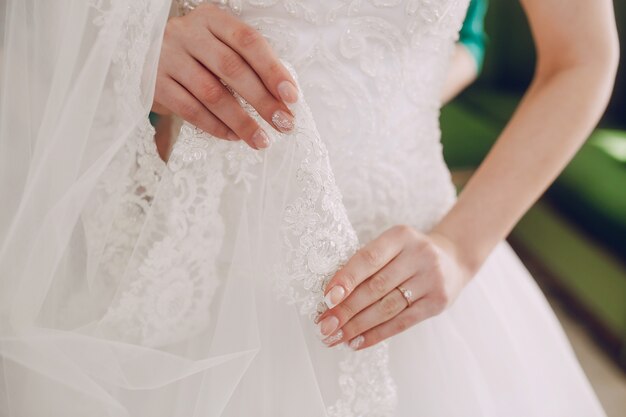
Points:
[329,325]
[231,136]
[334,338]
[334,296]
[356,342]
[283,121]
[287,92]
[260,139]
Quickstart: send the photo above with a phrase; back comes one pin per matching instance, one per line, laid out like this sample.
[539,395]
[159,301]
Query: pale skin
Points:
[461,73]
[209,44]
[577,51]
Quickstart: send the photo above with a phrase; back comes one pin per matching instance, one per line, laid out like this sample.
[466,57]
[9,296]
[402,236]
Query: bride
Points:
[298,248]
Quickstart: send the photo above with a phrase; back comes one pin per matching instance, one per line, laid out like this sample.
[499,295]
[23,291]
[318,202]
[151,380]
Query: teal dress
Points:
[472,34]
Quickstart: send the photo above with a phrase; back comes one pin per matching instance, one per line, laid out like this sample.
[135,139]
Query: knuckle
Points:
[419,246]
[188,110]
[344,312]
[212,93]
[349,280]
[377,284]
[230,64]
[275,67]
[389,306]
[246,36]
[275,71]
[371,256]
[403,230]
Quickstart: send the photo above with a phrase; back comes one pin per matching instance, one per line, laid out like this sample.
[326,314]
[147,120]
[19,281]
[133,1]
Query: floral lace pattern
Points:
[361,168]
[318,235]
[169,283]
[319,239]
[116,210]
[373,71]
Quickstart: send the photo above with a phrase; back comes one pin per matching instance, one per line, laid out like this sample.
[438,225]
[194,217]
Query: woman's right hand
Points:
[209,44]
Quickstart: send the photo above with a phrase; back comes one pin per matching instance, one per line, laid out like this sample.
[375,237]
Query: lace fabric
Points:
[168,286]
[373,72]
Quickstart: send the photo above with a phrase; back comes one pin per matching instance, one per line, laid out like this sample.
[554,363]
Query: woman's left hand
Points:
[365,304]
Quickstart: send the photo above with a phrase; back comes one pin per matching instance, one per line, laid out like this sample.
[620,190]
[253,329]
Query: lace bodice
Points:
[372,72]
[364,155]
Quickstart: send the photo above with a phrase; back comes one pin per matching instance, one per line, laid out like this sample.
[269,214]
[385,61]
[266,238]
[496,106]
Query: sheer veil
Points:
[132,287]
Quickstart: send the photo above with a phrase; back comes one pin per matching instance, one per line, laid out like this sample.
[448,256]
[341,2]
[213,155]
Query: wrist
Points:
[466,257]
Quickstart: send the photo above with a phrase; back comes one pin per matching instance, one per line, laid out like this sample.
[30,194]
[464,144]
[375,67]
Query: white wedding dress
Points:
[188,289]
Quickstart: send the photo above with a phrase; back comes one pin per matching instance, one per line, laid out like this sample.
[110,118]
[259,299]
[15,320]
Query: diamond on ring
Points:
[407,294]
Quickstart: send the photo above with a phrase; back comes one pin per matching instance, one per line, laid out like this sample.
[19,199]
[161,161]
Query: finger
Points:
[417,312]
[250,44]
[219,101]
[385,309]
[397,271]
[366,262]
[228,65]
[183,103]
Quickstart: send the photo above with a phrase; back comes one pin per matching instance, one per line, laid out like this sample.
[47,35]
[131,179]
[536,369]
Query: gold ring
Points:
[407,294]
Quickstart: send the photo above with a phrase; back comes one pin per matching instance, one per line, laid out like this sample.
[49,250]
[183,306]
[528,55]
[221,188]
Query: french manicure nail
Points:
[260,138]
[356,342]
[283,121]
[334,296]
[287,92]
[329,325]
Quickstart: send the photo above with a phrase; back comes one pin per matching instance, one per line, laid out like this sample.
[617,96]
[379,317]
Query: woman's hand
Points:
[365,304]
[210,44]
[578,54]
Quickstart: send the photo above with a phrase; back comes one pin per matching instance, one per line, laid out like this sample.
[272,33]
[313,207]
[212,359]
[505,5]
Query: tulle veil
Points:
[134,287]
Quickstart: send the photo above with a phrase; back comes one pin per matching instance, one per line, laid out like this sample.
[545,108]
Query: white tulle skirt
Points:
[498,351]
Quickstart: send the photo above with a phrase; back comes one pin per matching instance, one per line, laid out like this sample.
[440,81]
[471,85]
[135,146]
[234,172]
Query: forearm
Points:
[553,120]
